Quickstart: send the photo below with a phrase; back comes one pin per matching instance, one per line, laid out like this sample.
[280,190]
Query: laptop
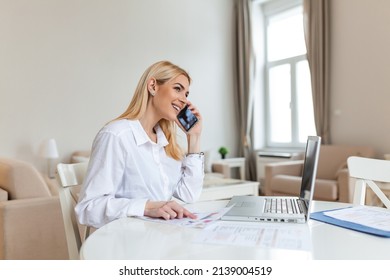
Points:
[285,209]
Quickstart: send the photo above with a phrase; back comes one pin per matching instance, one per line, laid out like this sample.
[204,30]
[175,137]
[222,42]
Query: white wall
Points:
[360,73]
[69,66]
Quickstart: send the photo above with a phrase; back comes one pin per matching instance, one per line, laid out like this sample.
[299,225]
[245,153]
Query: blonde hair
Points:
[162,72]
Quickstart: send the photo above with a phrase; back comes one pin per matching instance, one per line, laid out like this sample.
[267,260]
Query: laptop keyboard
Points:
[283,206]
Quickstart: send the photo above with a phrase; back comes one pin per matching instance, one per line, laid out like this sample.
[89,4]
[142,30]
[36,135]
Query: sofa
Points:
[31,224]
[332,182]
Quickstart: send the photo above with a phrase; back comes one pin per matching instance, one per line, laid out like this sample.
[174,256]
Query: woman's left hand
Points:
[167,210]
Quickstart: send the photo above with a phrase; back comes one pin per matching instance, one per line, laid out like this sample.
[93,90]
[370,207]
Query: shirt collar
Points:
[141,137]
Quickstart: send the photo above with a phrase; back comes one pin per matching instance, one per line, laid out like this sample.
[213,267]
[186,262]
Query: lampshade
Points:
[49,149]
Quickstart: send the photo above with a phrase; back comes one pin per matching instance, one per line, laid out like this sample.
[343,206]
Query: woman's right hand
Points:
[167,210]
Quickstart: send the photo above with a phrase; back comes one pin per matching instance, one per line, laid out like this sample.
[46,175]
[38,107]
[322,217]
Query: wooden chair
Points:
[366,171]
[68,176]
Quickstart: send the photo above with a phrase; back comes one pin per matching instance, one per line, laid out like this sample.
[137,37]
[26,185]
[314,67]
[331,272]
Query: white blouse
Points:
[126,169]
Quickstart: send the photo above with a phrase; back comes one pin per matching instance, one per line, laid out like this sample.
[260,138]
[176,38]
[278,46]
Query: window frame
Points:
[272,8]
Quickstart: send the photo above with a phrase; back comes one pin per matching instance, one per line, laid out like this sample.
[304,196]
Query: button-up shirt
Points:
[126,169]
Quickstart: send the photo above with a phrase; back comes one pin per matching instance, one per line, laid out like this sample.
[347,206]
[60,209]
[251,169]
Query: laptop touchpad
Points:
[248,204]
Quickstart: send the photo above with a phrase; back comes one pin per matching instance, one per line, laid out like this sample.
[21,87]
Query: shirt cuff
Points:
[198,155]
[136,207]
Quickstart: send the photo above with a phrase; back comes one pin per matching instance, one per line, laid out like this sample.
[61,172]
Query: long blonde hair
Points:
[162,71]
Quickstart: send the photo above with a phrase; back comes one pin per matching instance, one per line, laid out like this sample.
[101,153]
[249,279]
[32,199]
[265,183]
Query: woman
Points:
[136,164]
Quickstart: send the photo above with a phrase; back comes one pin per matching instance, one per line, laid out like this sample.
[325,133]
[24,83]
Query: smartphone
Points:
[187,118]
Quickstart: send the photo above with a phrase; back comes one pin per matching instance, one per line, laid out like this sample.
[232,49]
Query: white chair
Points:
[366,171]
[68,176]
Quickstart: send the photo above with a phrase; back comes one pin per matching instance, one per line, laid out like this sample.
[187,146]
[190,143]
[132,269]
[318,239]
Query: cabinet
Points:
[225,167]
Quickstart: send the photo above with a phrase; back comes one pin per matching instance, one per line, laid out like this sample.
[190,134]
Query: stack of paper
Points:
[372,220]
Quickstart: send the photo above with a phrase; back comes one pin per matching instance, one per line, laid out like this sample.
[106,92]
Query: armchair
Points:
[332,183]
[31,225]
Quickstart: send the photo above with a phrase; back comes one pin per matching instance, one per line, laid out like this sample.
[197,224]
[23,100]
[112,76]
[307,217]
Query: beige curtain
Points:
[245,65]
[316,25]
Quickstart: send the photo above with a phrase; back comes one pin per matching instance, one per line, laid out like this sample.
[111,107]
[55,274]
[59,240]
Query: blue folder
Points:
[320,216]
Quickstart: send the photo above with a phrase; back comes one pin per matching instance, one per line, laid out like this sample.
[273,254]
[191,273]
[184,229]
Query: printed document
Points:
[374,217]
[280,236]
[202,220]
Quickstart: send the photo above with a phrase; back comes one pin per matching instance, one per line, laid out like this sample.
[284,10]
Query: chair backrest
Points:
[334,157]
[366,171]
[68,176]
[21,180]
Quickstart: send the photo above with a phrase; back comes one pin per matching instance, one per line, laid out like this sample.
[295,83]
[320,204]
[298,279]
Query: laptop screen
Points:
[310,168]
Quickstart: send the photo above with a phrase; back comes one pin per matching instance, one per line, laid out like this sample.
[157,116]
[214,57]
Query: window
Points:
[289,116]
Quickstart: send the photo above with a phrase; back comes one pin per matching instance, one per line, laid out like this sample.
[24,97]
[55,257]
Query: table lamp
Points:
[49,151]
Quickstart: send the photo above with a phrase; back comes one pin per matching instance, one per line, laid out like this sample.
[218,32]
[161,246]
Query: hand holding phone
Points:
[186,118]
